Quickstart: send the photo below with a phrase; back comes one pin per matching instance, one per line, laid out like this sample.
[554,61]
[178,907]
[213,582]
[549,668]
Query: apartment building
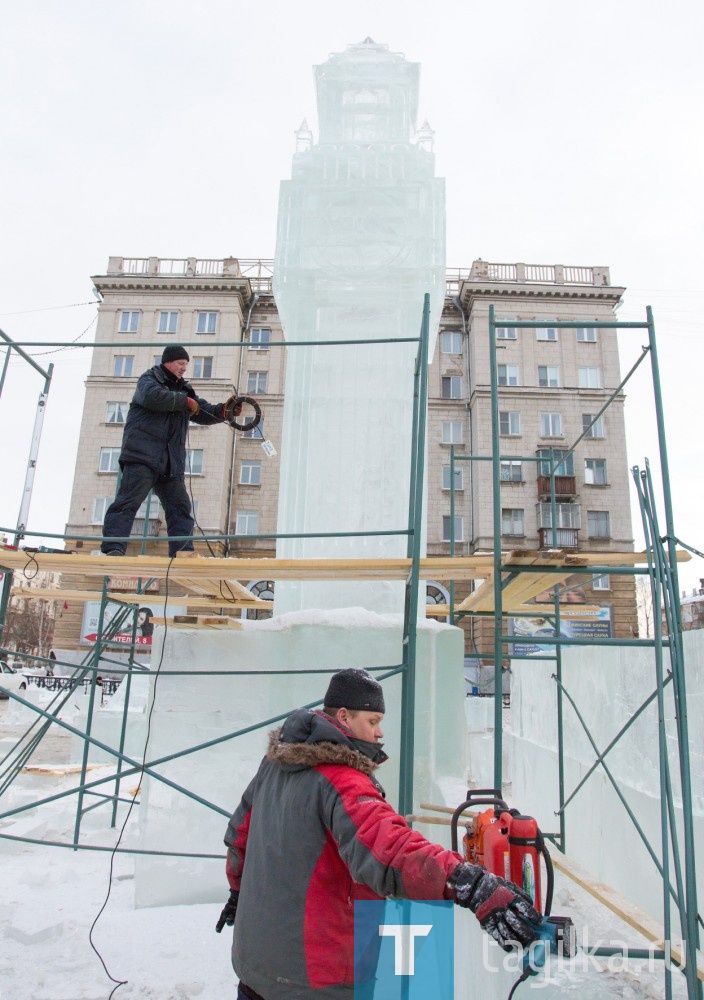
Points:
[552,383]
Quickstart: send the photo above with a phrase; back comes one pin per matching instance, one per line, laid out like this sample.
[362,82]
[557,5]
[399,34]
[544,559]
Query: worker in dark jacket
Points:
[153,454]
[314,833]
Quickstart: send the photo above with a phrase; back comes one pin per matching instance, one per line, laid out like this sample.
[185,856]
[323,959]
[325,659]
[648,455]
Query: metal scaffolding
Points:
[677,854]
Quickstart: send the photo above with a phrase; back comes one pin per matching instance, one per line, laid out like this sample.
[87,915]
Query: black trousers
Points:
[137,480]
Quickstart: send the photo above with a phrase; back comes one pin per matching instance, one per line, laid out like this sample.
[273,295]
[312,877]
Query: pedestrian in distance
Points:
[313,834]
[153,454]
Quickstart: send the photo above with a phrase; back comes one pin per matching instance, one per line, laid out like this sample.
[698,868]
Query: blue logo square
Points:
[403,950]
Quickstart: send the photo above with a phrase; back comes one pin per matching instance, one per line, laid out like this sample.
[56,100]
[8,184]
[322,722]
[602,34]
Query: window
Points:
[452,432]
[256,381]
[512,521]
[451,387]
[508,374]
[259,338]
[511,472]
[550,457]
[459,479]
[203,367]
[595,471]
[129,321]
[255,432]
[247,522]
[109,460]
[549,376]
[567,515]
[100,505]
[194,461]
[546,333]
[601,582]
[550,425]
[251,473]
[168,322]
[459,528]
[589,378]
[598,524]
[451,342]
[509,423]
[154,509]
[123,365]
[206,322]
[265,590]
[586,335]
[115,413]
[596,430]
[505,332]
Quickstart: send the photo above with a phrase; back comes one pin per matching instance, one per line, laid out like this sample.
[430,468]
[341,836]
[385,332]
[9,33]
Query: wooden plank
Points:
[129,597]
[202,568]
[200,621]
[227,590]
[529,585]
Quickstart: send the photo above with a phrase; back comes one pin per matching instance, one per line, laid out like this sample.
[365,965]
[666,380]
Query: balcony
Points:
[565,486]
[564,538]
[153,527]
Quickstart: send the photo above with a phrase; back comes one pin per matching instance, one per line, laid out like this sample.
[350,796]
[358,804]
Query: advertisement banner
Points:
[123,635]
[588,622]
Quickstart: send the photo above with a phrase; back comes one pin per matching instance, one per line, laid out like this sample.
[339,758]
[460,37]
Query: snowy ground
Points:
[50,897]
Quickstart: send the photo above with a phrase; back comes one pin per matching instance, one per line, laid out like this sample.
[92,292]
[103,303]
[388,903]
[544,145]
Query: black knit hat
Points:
[355,689]
[174,353]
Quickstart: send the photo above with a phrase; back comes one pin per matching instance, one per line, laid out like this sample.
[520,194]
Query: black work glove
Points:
[504,911]
[231,408]
[229,911]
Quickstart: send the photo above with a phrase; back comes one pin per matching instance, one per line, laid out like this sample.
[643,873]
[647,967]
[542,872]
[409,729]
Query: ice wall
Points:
[189,711]
[361,239]
[608,685]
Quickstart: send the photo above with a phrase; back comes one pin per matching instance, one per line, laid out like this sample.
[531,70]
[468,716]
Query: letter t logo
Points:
[404,952]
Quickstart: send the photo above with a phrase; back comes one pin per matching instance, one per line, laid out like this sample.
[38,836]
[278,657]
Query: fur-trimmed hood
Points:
[309,738]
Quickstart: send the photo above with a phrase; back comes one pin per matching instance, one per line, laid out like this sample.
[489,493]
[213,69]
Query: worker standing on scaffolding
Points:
[153,454]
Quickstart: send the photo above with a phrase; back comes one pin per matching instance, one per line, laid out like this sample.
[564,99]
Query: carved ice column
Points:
[361,239]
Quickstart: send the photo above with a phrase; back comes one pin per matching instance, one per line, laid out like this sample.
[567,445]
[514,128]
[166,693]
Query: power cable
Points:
[140,778]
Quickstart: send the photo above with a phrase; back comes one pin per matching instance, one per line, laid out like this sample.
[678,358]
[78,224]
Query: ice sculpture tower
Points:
[361,239]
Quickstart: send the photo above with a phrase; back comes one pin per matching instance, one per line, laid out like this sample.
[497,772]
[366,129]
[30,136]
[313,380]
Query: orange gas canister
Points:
[525,845]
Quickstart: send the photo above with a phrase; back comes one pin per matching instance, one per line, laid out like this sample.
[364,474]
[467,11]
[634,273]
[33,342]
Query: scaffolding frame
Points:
[661,570]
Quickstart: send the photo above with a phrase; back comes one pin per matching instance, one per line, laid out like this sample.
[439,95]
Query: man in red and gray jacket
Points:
[313,834]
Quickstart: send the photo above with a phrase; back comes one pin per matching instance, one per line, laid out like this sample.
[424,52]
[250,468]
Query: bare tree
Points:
[644,606]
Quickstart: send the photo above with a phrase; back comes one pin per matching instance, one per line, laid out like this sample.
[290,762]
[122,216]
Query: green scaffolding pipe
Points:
[688,907]
[665,789]
[209,538]
[415,515]
[224,343]
[622,731]
[146,767]
[677,654]
[619,793]
[498,594]
[109,849]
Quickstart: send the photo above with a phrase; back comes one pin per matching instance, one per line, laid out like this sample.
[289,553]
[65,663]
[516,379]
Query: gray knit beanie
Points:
[356,689]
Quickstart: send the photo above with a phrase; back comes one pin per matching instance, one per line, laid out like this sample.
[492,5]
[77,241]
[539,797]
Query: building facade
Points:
[552,384]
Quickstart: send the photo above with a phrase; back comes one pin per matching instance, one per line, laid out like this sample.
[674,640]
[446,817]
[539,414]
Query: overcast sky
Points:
[567,133]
